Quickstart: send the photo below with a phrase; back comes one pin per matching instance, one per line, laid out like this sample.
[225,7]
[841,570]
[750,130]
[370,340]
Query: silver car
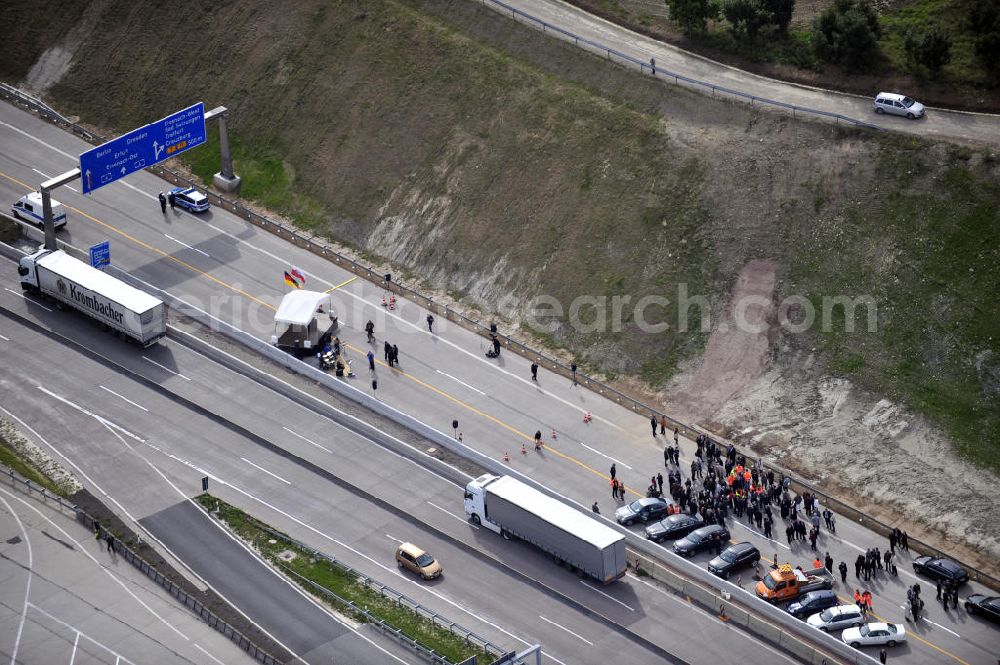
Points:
[890,102]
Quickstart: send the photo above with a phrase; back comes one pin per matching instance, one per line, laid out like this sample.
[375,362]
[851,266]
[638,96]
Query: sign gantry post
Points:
[139,149]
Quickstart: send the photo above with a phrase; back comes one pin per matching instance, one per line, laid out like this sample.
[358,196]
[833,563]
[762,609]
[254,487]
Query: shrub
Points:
[780,12]
[693,15]
[931,50]
[847,33]
[984,20]
[745,16]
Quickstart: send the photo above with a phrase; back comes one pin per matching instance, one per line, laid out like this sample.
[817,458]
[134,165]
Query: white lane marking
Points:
[6,339]
[451,514]
[100,419]
[118,657]
[353,418]
[165,368]
[942,627]
[44,175]
[617,462]
[460,381]
[31,300]
[138,406]
[94,561]
[834,536]
[27,587]
[274,475]
[198,647]
[305,439]
[309,527]
[117,436]
[179,242]
[755,531]
[576,635]
[76,643]
[609,597]
[689,606]
[74,158]
[281,577]
[93,484]
[392,537]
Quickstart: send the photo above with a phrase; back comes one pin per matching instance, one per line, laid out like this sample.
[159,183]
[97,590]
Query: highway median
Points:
[347,591]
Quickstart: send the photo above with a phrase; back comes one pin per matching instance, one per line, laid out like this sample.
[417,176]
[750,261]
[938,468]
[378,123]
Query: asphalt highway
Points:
[938,123]
[234,271]
[141,443]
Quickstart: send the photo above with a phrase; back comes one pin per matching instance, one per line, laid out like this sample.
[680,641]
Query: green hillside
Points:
[491,160]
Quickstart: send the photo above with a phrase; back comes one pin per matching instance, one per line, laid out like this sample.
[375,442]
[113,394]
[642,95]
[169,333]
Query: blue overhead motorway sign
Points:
[143,147]
[100,255]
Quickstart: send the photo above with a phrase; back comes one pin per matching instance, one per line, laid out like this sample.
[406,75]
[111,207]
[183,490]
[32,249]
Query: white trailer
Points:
[110,301]
[513,509]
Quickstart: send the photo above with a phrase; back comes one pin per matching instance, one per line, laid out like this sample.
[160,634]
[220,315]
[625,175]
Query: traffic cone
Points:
[384,303]
[554,436]
[587,417]
[460,437]
[392,302]
[524,451]
[506,457]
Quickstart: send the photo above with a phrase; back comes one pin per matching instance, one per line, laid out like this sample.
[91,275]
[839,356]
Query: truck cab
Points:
[304,322]
[27,271]
[475,505]
[29,209]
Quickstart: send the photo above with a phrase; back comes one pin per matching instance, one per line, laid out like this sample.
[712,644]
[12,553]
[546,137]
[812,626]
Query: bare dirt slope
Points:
[487,160]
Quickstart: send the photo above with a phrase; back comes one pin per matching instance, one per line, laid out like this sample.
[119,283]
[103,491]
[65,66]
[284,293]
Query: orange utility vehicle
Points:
[787,583]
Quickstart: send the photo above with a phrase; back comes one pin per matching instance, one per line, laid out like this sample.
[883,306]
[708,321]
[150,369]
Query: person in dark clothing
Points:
[538,439]
[940,585]
[395,355]
[534,371]
[613,471]
[652,423]
[597,511]
[659,482]
[666,456]
[858,565]
[388,353]
[371,361]
[904,542]
[882,656]
[496,345]
[163,202]
[430,323]
[843,571]
[171,199]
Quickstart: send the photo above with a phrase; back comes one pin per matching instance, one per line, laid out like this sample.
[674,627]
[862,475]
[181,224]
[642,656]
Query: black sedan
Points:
[701,539]
[673,527]
[641,510]
[984,606]
[733,558]
[945,570]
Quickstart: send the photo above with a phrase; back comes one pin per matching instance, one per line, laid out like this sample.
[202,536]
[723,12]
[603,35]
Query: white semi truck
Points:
[513,509]
[110,301]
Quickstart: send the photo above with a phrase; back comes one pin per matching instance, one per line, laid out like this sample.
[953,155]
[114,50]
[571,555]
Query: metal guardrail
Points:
[323,248]
[120,548]
[397,598]
[659,72]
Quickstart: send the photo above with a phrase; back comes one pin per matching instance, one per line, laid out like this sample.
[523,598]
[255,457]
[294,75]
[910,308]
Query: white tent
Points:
[298,307]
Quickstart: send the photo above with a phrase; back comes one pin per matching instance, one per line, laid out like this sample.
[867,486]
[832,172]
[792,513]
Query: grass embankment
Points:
[9,231]
[12,457]
[342,583]
[962,83]
[925,247]
[495,162]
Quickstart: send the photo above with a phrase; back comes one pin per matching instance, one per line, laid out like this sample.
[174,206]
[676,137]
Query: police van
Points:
[29,208]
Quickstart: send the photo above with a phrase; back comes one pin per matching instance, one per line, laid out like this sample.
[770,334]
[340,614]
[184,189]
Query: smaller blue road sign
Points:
[100,255]
[143,147]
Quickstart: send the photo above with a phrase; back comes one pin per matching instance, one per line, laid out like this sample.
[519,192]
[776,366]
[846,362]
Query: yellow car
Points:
[413,558]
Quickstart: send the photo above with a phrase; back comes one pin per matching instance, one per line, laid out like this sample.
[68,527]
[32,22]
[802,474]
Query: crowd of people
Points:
[724,483]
